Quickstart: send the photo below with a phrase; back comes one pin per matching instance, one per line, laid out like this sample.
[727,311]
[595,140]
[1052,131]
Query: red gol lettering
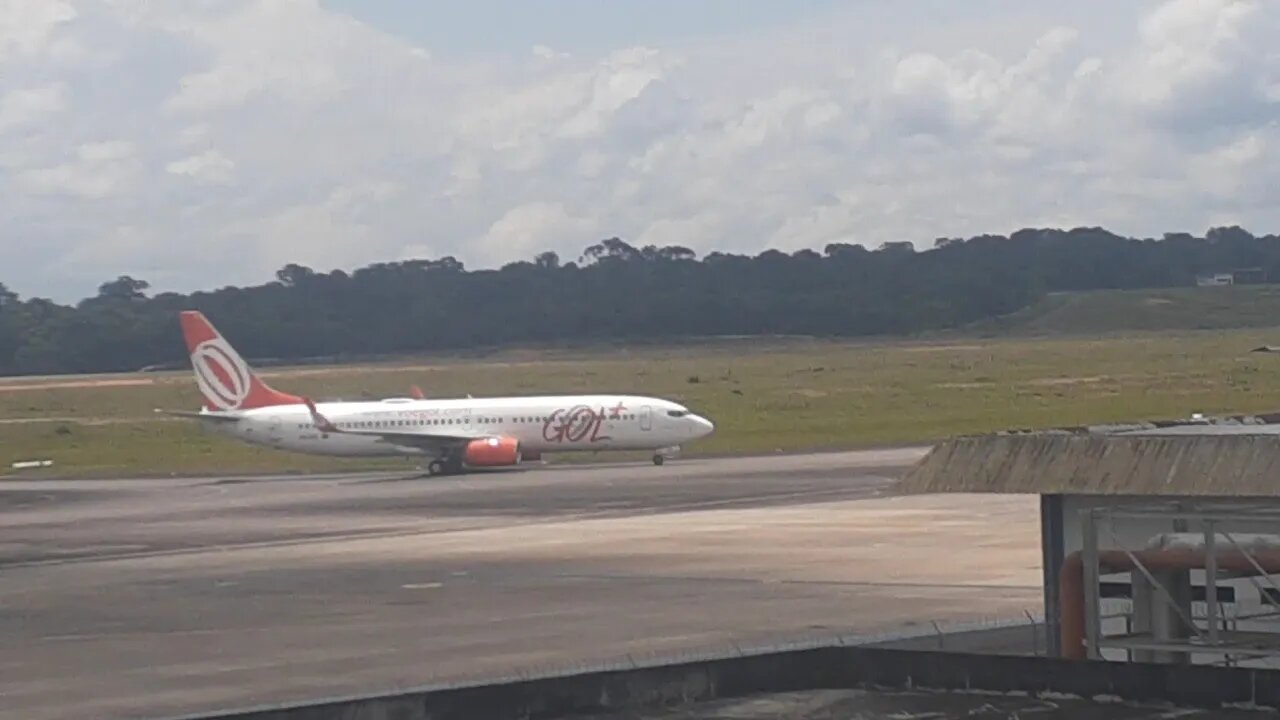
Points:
[577,424]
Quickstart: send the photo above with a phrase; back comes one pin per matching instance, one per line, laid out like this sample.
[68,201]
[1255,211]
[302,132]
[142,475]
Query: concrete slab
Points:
[150,598]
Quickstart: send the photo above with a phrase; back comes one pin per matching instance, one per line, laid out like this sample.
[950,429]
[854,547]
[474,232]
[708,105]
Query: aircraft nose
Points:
[702,427]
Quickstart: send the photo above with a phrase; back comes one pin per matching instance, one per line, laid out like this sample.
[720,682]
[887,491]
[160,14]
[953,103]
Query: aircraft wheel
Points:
[435,467]
[658,459]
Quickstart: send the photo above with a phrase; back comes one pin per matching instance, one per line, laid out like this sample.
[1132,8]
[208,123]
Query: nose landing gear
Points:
[661,455]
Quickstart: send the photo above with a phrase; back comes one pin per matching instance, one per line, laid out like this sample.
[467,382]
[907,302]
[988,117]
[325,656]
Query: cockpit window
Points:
[677,413]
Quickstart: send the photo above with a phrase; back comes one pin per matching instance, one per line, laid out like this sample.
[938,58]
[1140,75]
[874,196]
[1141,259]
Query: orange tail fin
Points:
[225,380]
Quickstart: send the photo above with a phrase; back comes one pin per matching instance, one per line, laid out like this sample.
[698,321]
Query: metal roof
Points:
[1188,459]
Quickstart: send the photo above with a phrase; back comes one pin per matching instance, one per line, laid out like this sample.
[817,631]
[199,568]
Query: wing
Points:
[202,415]
[432,441]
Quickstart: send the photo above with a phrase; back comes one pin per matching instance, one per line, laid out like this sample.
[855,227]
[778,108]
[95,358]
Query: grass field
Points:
[1118,311]
[791,396]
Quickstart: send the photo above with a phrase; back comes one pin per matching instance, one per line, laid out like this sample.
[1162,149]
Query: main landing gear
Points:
[445,466]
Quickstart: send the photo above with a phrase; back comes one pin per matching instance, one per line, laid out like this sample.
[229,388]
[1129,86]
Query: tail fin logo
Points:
[221,375]
[225,380]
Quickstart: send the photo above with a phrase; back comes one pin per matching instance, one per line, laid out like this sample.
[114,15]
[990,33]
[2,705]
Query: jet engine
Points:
[492,452]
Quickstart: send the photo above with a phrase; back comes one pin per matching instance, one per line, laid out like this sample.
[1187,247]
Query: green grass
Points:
[791,396]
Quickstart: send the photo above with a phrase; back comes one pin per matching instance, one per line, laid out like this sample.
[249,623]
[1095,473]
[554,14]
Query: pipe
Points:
[1071,579]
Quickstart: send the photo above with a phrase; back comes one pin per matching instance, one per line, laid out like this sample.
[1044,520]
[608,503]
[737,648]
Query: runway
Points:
[152,598]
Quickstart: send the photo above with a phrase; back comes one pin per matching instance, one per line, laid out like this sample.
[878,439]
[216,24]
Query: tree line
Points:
[615,292]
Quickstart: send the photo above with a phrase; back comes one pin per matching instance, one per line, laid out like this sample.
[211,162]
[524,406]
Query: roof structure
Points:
[1222,458]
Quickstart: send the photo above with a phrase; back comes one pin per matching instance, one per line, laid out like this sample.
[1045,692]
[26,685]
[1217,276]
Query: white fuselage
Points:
[541,424]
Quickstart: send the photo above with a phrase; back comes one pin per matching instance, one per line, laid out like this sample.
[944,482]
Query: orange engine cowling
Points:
[492,452]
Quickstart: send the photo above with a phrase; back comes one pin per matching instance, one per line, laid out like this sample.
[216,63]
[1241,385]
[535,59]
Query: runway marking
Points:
[422,586]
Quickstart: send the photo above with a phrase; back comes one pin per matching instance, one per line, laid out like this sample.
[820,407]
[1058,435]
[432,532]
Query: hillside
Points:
[1112,311]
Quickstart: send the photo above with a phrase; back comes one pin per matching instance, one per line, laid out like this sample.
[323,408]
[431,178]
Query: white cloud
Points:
[27,106]
[526,230]
[1243,169]
[260,132]
[337,231]
[1204,62]
[209,166]
[28,27]
[99,171]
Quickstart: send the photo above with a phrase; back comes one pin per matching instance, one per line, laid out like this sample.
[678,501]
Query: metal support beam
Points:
[1092,597]
[1163,627]
[1211,580]
[1171,613]
[1143,607]
[1176,593]
[1053,551]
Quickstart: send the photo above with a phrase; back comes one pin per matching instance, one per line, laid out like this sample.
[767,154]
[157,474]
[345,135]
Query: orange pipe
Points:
[1071,580]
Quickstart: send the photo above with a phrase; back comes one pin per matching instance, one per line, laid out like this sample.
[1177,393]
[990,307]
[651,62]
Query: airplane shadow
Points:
[422,476]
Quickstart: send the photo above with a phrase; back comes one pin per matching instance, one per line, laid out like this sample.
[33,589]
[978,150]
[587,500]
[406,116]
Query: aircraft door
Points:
[275,431]
[646,418]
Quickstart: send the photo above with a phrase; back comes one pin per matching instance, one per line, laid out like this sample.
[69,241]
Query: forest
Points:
[615,292]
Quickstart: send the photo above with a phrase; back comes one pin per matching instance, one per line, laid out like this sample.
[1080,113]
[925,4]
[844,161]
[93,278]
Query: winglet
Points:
[322,423]
[416,392]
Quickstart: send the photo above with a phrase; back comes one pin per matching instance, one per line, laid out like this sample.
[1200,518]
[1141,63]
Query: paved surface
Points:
[147,598]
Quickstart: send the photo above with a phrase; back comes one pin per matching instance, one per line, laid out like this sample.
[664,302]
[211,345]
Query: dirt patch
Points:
[1054,382]
[941,348]
[1039,382]
[60,384]
[68,420]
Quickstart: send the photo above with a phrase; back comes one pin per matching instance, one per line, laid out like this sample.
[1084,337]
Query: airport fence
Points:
[1023,634]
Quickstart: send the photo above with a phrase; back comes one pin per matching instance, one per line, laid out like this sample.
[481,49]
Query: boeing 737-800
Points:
[455,434]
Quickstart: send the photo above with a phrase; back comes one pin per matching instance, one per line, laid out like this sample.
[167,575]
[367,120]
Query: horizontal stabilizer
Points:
[206,415]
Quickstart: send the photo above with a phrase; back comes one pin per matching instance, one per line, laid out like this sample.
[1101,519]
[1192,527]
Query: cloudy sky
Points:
[201,143]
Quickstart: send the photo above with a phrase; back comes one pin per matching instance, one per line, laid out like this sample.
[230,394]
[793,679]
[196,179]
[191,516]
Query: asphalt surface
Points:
[154,598]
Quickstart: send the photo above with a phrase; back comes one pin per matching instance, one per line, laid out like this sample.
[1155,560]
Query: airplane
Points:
[455,435]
